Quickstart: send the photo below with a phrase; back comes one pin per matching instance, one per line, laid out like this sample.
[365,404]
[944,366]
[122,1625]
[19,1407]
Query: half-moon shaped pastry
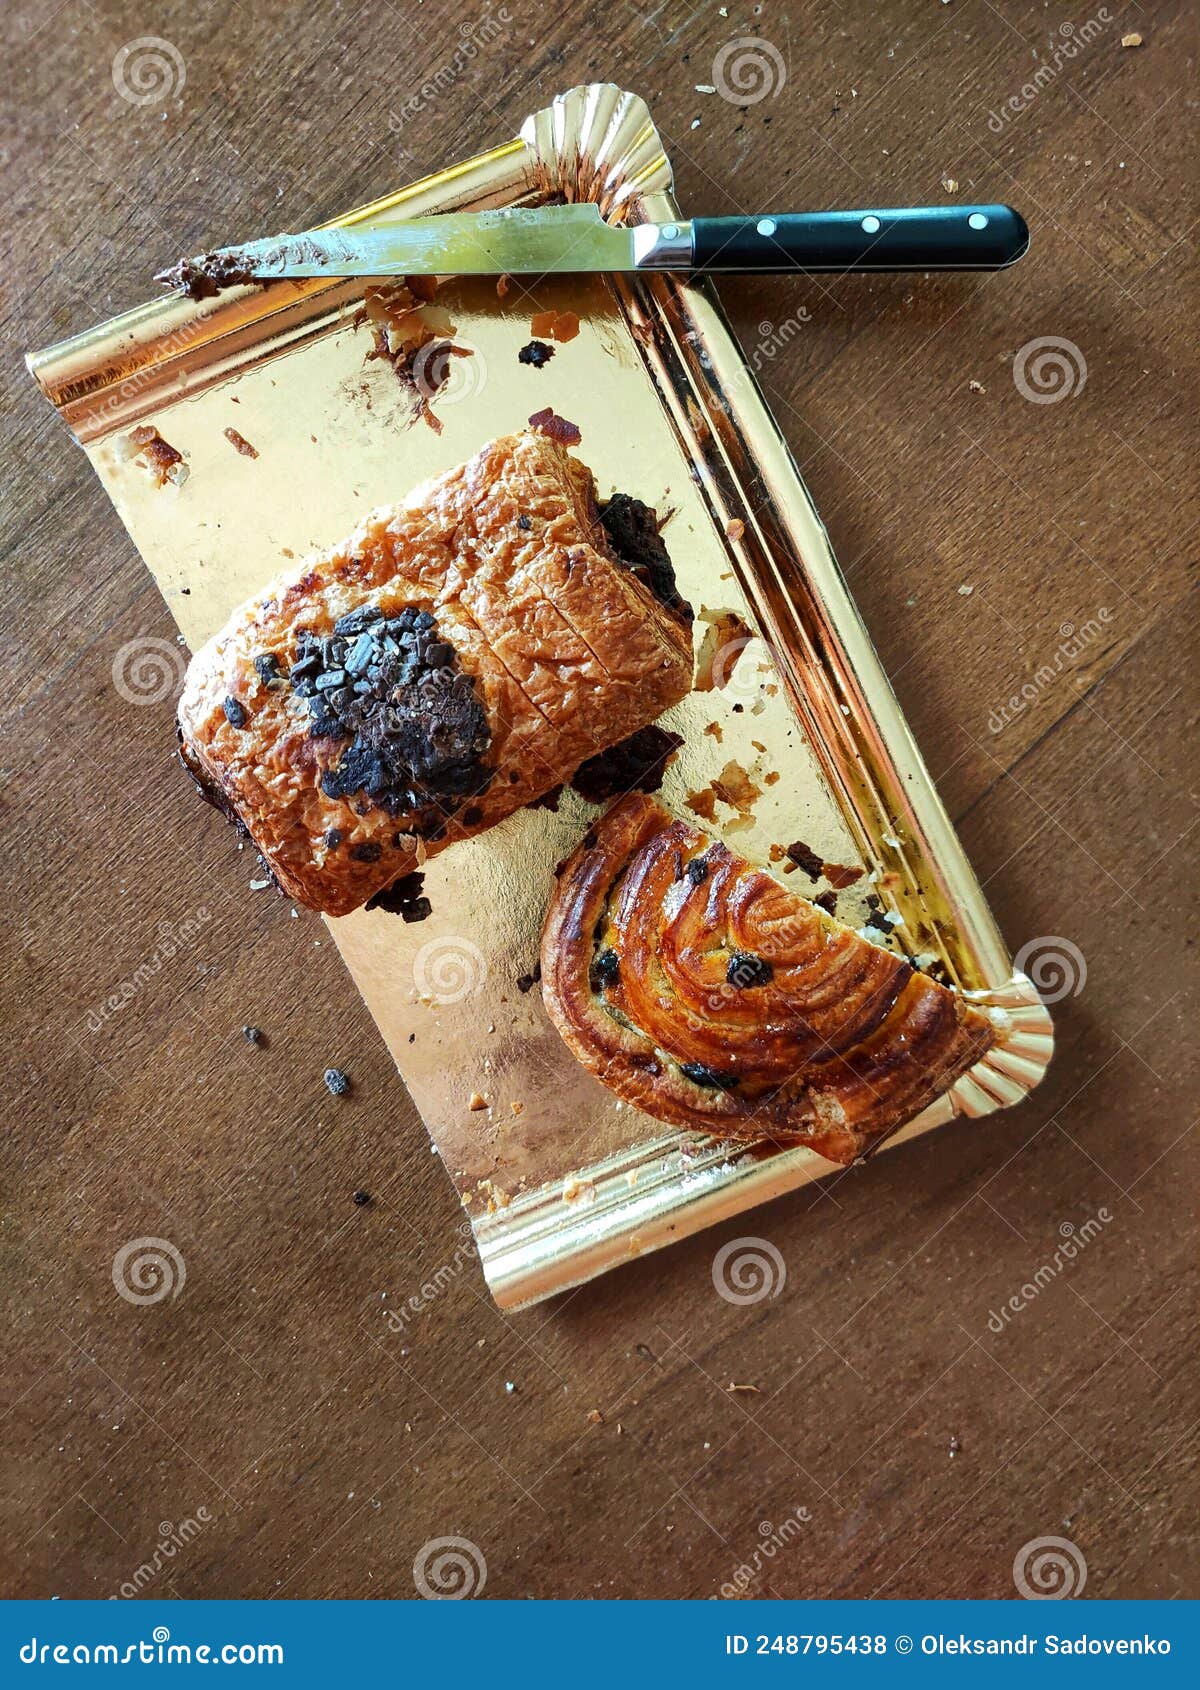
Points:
[457,657]
[700,989]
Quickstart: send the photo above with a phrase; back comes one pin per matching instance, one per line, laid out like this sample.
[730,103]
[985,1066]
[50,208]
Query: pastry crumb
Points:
[1133,39]
[976,387]
[950,183]
[476,1101]
[557,428]
[595,1418]
[734,1386]
[714,728]
[240,443]
[735,529]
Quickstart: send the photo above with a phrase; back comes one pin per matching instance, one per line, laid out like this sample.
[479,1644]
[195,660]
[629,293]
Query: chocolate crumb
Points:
[548,800]
[806,858]
[524,523]
[697,871]
[526,982]
[826,901]
[362,1198]
[633,531]
[403,898]
[252,1035]
[535,353]
[840,876]
[204,277]
[337,1082]
[235,713]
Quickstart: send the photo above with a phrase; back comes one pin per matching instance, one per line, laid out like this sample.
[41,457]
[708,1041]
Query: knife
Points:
[564,238]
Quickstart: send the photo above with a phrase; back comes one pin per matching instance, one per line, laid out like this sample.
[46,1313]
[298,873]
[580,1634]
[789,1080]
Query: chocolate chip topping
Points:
[388,684]
[697,871]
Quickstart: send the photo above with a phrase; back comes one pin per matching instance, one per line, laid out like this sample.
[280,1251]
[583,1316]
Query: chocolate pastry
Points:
[458,656]
[700,989]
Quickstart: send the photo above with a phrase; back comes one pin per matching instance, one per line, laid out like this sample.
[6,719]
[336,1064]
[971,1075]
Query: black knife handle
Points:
[949,237]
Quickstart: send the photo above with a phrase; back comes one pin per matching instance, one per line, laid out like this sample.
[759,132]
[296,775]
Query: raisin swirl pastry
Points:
[457,657]
[700,989]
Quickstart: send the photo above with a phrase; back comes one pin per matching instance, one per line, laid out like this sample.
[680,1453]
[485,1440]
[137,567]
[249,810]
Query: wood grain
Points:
[271,1403]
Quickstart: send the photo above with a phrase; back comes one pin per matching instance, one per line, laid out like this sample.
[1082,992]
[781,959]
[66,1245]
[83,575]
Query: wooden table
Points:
[890,1422]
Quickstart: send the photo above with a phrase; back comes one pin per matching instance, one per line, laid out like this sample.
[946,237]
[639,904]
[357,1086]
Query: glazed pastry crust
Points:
[834,1045]
[568,651]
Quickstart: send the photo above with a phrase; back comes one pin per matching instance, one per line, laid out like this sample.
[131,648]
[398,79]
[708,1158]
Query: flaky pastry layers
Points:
[459,655]
[703,991]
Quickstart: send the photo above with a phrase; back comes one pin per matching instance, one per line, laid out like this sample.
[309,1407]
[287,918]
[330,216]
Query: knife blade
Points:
[575,238]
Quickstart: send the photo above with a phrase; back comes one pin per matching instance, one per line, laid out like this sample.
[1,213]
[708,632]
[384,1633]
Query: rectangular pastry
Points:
[700,989]
[457,657]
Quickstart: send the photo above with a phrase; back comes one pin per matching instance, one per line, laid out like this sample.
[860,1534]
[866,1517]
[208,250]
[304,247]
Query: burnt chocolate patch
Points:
[637,764]
[632,529]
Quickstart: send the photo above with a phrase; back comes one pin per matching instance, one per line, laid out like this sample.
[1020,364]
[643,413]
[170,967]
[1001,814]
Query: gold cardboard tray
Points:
[561,1181]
